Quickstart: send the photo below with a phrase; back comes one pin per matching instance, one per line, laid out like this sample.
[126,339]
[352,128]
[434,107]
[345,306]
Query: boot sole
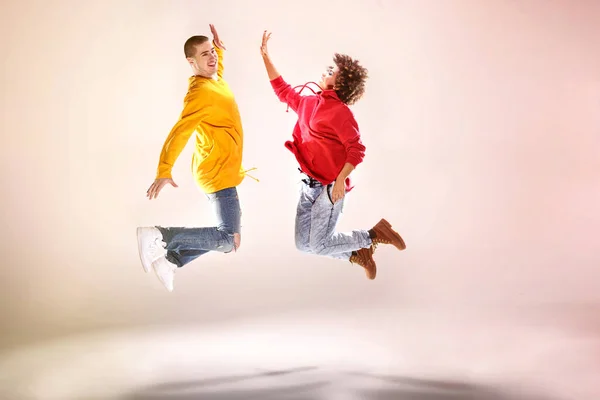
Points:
[369,277]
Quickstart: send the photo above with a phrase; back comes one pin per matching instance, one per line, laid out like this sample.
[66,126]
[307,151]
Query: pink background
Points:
[483,150]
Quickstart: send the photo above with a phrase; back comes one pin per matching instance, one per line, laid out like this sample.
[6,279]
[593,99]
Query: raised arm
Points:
[220,67]
[219,48]
[283,90]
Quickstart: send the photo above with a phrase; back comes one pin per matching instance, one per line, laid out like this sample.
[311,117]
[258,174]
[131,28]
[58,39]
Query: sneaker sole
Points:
[145,263]
[160,279]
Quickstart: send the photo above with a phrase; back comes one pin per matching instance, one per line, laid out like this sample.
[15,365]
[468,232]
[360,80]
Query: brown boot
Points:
[383,233]
[364,258]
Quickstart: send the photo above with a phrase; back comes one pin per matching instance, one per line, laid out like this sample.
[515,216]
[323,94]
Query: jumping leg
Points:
[183,245]
[324,240]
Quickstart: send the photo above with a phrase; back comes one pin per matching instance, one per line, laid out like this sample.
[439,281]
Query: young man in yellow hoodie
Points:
[211,113]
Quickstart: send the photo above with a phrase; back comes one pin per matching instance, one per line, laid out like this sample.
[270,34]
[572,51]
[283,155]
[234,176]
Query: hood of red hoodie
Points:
[329,93]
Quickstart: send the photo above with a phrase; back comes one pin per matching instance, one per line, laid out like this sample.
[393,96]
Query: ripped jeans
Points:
[184,245]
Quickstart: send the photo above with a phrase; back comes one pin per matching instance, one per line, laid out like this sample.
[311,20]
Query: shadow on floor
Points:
[201,389]
[427,389]
[396,388]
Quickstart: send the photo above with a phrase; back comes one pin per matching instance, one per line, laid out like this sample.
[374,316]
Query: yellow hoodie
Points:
[211,112]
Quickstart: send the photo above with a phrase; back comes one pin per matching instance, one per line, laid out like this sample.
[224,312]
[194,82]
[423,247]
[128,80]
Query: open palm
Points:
[216,37]
[263,47]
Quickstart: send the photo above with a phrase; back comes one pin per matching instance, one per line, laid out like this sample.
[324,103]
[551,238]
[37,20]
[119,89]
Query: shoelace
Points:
[304,87]
[377,241]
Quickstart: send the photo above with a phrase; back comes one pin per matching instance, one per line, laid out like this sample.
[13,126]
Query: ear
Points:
[190,60]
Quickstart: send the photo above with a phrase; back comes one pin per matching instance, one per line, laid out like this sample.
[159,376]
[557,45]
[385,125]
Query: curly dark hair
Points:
[350,80]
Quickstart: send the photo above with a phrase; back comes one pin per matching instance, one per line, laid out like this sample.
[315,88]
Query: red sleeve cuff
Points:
[354,161]
[277,81]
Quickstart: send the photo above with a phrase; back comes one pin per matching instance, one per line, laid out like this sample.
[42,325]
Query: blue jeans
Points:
[186,244]
[316,220]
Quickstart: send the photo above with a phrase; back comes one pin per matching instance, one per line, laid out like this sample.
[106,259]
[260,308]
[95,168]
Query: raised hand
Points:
[157,186]
[216,38]
[263,47]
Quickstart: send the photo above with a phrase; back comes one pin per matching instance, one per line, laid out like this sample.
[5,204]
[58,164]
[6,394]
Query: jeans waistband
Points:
[310,181]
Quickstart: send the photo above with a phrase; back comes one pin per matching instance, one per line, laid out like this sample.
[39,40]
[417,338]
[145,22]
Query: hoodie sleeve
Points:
[350,137]
[194,111]
[220,67]
[286,93]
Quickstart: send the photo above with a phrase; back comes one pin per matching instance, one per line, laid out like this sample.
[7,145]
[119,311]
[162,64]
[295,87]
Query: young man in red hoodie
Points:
[327,145]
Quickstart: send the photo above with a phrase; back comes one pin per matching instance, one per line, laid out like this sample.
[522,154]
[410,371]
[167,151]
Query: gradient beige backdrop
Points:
[482,130]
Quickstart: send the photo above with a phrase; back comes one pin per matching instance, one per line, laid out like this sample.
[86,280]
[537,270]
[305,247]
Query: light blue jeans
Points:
[316,220]
[186,244]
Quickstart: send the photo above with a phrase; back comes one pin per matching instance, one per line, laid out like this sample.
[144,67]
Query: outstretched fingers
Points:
[155,189]
[157,186]
[216,37]
[265,39]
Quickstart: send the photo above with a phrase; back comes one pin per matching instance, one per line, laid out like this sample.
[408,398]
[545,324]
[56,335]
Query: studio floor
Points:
[374,354]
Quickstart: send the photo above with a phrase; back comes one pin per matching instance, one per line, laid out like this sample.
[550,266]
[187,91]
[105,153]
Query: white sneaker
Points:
[150,245]
[165,271]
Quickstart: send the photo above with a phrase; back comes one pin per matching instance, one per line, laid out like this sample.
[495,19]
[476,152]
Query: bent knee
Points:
[302,246]
[229,242]
[318,250]
[232,242]
[237,241]
[318,247]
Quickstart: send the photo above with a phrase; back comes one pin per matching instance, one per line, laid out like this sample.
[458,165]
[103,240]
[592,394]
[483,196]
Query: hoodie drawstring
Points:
[245,172]
[304,87]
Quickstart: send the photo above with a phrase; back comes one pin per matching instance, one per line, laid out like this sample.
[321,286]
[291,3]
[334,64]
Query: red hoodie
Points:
[326,135]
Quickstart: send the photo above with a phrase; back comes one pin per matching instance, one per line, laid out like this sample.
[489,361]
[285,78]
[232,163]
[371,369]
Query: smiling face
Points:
[205,60]
[328,78]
